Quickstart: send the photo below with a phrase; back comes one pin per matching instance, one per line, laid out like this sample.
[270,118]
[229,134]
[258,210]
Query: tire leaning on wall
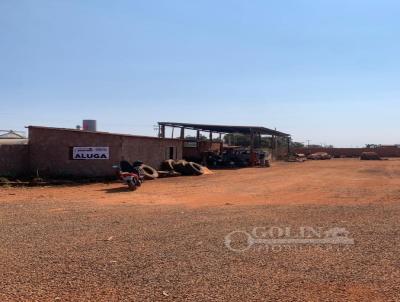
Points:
[168,165]
[195,168]
[149,172]
[188,168]
[181,167]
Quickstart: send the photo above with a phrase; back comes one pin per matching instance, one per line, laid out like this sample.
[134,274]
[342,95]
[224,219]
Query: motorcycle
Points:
[132,175]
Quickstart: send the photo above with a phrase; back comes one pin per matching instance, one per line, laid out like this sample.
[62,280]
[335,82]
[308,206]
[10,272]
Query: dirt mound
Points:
[207,171]
[370,156]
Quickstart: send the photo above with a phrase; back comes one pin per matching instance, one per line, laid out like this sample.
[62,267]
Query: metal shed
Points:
[253,131]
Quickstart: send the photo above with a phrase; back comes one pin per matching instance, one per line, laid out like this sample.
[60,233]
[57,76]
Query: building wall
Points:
[390,151]
[50,151]
[14,160]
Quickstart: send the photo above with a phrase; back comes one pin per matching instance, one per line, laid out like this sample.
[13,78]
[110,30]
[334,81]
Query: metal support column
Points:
[273,151]
[162,131]
[252,154]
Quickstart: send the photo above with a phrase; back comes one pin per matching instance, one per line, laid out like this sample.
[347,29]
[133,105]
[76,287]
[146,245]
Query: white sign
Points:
[91,153]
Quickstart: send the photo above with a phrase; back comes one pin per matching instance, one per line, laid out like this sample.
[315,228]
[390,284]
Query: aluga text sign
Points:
[91,153]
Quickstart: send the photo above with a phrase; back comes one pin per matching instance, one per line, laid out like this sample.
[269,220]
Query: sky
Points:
[324,71]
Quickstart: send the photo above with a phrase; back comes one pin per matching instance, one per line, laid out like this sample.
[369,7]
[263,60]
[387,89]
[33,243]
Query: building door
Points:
[171,153]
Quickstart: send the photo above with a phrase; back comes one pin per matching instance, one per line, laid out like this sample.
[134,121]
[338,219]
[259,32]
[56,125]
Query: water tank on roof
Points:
[89,125]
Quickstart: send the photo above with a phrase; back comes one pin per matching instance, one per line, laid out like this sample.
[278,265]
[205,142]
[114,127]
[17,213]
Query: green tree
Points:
[297,145]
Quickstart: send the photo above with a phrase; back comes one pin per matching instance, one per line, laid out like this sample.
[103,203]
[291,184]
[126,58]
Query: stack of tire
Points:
[183,167]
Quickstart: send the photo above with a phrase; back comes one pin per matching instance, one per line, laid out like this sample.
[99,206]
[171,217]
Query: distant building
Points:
[10,137]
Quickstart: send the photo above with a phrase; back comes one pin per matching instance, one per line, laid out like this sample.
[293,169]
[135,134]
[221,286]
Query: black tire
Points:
[163,174]
[195,168]
[138,182]
[168,165]
[149,172]
[131,185]
[181,167]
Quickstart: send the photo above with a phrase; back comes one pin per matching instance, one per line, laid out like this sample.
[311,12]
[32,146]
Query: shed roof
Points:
[225,128]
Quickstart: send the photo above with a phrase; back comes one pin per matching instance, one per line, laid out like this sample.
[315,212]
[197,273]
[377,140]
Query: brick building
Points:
[53,152]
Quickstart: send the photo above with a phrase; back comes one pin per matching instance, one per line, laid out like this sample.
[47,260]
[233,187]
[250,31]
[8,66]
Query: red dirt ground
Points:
[343,181]
[165,241]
